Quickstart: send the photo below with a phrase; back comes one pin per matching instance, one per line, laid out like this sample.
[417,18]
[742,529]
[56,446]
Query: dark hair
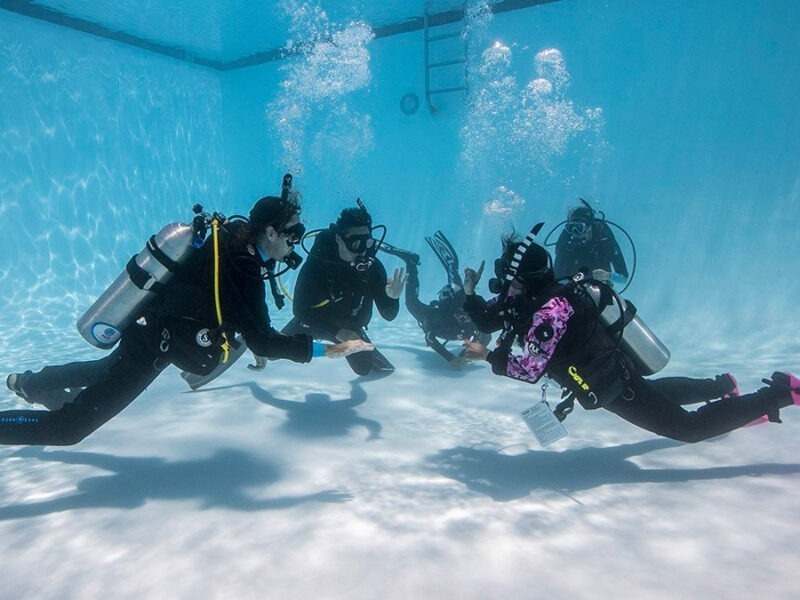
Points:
[353,217]
[272,210]
[510,242]
[581,213]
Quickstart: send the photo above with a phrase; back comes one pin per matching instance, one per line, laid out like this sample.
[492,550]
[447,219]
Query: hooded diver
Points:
[554,329]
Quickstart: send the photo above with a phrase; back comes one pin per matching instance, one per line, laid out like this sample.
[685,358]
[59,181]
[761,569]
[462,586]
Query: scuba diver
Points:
[443,318]
[338,284]
[587,242]
[563,331]
[188,318]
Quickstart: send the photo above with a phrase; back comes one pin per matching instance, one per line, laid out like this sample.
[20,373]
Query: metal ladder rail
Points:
[437,65]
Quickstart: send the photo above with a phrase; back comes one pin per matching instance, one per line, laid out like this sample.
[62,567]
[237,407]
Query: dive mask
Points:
[358,244]
[294,233]
[496,282]
[577,229]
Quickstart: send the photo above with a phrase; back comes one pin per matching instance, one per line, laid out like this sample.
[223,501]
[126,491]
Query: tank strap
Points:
[160,256]
[142,279]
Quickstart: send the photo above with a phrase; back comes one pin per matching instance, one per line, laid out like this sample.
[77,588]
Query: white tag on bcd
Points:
[543,423]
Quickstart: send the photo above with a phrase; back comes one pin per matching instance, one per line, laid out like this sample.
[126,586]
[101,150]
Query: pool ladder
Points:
[430,66]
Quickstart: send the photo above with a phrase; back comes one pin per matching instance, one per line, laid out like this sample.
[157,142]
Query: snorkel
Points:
[365,256]
[295,235]
[293,259]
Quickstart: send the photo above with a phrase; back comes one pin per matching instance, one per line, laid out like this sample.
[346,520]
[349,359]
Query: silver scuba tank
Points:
[144,275]
[647,352]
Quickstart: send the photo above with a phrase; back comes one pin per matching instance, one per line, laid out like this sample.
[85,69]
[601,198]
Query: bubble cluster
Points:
[511,126]
[503,203]
[329,64]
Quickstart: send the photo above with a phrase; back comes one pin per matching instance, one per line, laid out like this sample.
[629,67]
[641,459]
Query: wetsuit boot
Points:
[16,382]
[730,384]
[788,382]
[785,381]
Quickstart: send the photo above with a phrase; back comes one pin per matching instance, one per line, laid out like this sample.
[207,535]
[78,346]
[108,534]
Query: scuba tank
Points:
[144,276]
[638,341]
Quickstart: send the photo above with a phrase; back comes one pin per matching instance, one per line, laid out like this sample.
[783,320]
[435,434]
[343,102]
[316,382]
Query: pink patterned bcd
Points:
[531,363]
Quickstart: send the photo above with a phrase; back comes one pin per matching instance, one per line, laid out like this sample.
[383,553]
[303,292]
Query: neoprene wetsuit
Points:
[601,251]
[331,295]
[179,327]
[557,335]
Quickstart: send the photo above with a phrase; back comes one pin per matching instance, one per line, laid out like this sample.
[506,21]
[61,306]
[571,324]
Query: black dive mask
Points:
[364,243]
[530,279]
[577,229]
[294,233]
[359,244]
[496,282]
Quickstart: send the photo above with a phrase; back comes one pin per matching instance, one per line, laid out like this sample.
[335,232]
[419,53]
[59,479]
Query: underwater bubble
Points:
[334,67]
[329,64]
[550,65]
[540,87]
[503,203]
[345,134]
[477,15]
[496,61]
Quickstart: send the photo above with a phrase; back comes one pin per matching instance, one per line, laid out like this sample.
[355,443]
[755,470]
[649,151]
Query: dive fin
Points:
[404,255]
[195,382]
[444,250]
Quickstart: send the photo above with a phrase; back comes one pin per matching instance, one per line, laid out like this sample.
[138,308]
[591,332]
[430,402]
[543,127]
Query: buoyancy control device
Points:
[144,276]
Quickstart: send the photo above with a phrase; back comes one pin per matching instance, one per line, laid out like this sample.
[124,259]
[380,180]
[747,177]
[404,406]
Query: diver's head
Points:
[450,292]
[579,223]
[353,231]
[276,227]
[532,273]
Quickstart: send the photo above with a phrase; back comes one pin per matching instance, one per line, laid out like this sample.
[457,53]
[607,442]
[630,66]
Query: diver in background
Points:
[339,283]
[443,318]
[555,330]
[183,325]
[587,242]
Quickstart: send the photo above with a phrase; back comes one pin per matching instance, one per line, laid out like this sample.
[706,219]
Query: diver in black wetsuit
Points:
[338,284]
[587,242]
[444,318]
[554,329]
[180,326]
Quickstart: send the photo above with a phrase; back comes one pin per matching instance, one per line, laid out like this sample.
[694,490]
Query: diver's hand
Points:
[347,348]
[394,286]
[475,350]
[261,362]
[471,278]
[601,275]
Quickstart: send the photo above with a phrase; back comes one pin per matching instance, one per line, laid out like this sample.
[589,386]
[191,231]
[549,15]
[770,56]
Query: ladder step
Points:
[447,63]
[444,36]
[446,90]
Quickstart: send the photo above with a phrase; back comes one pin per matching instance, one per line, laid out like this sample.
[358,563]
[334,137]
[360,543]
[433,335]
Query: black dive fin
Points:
[447,255]
[195,382]
[405,255]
